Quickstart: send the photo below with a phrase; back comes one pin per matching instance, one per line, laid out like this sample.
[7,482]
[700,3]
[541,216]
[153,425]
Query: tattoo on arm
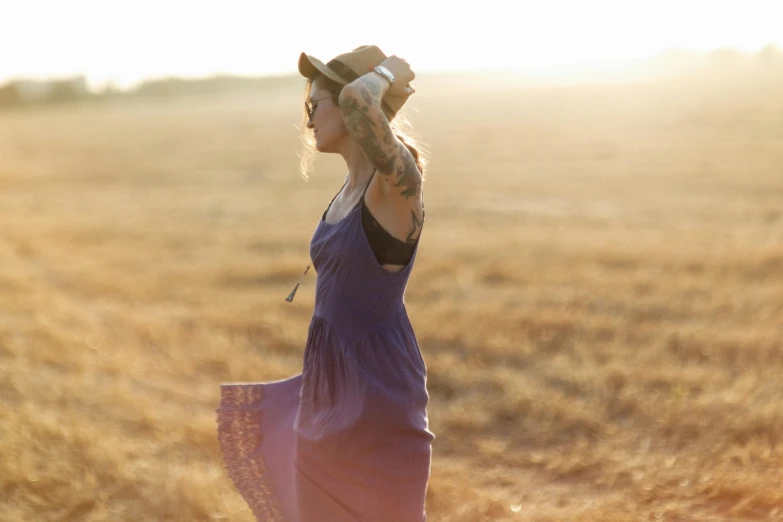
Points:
[371,94]
[416,226]
[374,135]
[408,174]
[363,129]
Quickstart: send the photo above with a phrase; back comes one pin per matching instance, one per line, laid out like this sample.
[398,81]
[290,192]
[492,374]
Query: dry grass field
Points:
[598,298]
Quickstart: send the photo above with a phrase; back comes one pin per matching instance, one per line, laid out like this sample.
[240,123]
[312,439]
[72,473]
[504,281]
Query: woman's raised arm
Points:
[360,103]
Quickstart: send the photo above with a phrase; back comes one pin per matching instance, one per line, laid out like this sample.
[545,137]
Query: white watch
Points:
[386,73]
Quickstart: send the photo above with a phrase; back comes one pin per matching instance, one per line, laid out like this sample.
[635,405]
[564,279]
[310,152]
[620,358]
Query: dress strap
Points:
[368,184]
[361,200]
[323,217]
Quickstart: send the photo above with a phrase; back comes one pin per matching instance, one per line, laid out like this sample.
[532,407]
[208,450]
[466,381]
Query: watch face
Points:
[383,71]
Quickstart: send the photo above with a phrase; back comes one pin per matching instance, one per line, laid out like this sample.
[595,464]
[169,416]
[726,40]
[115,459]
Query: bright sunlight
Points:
[121,43]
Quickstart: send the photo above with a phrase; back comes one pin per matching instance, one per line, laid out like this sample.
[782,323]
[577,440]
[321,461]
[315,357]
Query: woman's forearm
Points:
[360,104]
[370,88]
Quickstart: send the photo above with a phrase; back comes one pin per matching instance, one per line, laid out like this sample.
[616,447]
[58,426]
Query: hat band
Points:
[342,70]
[350,75]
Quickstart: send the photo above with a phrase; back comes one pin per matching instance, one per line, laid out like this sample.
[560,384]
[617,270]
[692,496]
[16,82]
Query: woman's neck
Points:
[359,167]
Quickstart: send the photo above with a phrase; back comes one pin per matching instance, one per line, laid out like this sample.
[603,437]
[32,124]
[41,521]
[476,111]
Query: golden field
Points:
[598,298]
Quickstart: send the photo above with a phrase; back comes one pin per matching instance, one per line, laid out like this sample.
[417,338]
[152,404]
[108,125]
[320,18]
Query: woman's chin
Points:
[321,147]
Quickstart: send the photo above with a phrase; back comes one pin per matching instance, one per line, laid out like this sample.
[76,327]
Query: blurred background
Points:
[598,294]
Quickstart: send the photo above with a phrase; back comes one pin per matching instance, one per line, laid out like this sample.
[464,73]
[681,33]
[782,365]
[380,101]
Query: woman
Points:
[347,439]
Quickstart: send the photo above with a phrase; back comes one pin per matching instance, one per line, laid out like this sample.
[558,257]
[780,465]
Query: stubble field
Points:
[598,297]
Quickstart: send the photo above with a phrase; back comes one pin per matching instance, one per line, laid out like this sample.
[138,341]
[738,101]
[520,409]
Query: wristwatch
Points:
[386,73]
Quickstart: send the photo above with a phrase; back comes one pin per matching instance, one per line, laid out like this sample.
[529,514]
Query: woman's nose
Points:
[310,123]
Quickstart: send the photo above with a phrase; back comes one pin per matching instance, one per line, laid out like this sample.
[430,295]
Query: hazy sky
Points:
[125,41]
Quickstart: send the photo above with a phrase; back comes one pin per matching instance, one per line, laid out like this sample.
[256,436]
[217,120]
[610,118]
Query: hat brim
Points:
[310,67]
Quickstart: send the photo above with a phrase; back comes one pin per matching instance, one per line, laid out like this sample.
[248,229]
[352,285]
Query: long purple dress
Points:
[347,439]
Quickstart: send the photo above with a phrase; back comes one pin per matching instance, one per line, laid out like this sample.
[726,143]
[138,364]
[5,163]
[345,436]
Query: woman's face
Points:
[326,120]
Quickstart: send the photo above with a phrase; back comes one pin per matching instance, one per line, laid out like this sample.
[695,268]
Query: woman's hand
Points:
[403,75]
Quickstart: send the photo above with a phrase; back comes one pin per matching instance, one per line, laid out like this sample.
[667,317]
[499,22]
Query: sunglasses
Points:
[312,105]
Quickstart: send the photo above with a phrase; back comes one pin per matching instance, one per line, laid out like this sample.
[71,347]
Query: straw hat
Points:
[346,67]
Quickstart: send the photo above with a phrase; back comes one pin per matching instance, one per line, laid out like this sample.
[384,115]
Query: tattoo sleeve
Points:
[360,104]
[416,227]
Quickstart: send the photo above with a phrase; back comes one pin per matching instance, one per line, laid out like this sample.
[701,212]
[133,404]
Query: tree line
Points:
[19,93]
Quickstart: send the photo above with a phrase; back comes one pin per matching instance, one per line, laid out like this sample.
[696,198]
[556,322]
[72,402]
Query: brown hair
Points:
[400,126]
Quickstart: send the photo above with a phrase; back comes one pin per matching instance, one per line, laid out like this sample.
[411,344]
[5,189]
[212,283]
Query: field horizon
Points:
[598,297]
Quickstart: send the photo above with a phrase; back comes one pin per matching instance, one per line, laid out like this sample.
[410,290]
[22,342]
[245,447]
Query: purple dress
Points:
[347,439]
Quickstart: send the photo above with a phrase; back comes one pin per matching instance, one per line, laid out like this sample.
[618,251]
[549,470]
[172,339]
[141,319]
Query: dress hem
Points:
[240,434]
